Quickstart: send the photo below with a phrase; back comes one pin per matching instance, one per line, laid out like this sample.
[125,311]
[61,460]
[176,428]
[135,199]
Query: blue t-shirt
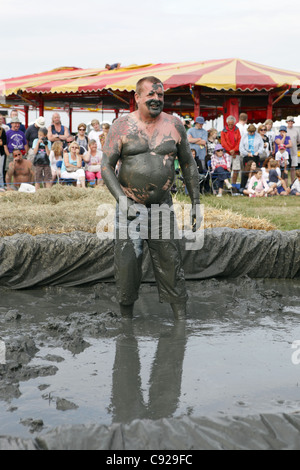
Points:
[273,176]
[251,138]
[198,134]
[286,141]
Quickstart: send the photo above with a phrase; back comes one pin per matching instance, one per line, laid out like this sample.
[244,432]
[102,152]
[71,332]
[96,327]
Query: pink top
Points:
[256,186]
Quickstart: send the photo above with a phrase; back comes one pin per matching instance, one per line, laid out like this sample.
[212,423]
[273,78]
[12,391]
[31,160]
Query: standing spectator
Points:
[221,165]
[14,114]
[32,133]
[15,140]
[95,133]
[187,122]
[3,155]
[282,157]
[271,135]
[93,158]
[242,124]
[82,139]
[56,158]
[41,149]
[58,132]
[197,137]
[105,130]
[212,141]
[19,171]
[295,138]
[283,139]
[230,139]
[251,145]
[262,130]
[2,124]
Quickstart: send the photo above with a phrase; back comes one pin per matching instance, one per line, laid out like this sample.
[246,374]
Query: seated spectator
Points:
[58,132]
[262,130]
[250,170]
[251,145]
[2,123]
[275,181]
[93,159]
[105,129]
[72,165]
[41,149]
[283,139]
[15,140]
[15,114]
[282,157]
[32,133]
[81,138]
[271,136]
[221,164]
[19,171]
[295,188]
[95,133]
[4,153]
[258,186]
[230,139]
[56,158]
[117,65]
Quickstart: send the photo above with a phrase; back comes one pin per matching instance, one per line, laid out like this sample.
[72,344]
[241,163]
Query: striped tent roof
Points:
[225,74]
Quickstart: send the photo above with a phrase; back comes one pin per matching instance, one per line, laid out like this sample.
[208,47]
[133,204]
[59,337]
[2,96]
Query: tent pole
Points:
[131,102]
[196,97]
[26,109]
[41,107]
[70,119]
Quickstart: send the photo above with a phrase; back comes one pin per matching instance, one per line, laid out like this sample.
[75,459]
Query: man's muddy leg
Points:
[179,310]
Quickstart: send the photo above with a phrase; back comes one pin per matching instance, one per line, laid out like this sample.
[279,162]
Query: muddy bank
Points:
[75,375]
[80,258]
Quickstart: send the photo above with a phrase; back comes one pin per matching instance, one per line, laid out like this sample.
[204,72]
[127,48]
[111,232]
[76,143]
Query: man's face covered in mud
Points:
[151,99]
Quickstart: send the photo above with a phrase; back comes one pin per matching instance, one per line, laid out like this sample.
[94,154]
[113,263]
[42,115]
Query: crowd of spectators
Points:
[41,156]
[251,160]
[248,159]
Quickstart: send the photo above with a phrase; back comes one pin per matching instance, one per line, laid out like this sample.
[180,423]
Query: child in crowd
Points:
[295,189]
[41,149]
[283,157]
[56,158]
[276,183]
[258,186]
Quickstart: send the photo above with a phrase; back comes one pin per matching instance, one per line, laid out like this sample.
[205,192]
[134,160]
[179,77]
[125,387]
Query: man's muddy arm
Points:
[111,154]
[188,165]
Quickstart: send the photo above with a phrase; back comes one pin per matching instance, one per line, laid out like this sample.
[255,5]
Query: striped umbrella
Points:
[224,74]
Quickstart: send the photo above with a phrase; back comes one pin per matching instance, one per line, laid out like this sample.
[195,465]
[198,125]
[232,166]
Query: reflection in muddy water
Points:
[71,359]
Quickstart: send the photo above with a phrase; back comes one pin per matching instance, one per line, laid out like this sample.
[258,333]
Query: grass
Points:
[64,209]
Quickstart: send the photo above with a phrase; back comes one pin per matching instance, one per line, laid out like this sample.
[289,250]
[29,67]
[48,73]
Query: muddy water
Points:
[71,359]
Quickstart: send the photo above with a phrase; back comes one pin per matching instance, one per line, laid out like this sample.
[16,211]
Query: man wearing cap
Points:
[32,133]
[197,137]
[295,138]
[283,139]
[16,140]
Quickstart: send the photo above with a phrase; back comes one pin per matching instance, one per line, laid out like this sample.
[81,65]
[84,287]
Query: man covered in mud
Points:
[145,143]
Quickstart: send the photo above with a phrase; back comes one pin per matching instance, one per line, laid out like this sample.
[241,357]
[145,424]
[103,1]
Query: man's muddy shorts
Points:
[161,235]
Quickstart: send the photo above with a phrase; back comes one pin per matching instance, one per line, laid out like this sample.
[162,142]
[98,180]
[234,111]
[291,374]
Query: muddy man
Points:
[146,143]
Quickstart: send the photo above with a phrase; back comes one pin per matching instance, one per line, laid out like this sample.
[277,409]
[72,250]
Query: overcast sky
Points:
[37,36]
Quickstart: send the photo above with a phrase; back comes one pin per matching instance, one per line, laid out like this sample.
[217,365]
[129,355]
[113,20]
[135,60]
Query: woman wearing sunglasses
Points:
[262,130]
[72,165]
[81,137]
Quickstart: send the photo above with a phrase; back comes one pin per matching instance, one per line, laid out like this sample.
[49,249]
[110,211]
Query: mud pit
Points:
[75,370]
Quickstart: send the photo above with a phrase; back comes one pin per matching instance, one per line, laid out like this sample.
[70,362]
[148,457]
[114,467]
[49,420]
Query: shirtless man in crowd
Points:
[19,171]
[146,142]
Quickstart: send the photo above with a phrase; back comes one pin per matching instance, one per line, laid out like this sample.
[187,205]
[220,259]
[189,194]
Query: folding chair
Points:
[213,179]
